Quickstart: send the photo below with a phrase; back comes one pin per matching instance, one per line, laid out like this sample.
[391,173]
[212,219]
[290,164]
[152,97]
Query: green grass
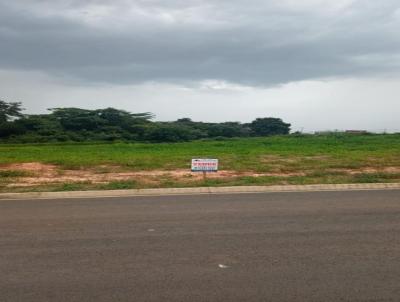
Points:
[119,185]
[322,159]
[237,154]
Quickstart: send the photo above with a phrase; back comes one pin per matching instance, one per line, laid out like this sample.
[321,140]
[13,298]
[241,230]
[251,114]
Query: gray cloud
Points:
[248,42]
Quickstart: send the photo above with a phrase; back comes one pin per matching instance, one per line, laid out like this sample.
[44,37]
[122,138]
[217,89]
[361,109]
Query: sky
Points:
[317,64]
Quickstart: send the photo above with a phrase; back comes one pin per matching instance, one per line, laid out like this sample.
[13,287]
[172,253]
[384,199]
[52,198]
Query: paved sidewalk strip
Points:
[200,190]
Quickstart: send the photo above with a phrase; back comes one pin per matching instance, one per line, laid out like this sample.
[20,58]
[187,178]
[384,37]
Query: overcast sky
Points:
[318,64]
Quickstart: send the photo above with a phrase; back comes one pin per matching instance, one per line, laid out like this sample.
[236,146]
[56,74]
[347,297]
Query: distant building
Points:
[327,132]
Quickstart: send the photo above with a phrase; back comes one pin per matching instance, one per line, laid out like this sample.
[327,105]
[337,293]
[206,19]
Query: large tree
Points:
[269,126]
[10,110]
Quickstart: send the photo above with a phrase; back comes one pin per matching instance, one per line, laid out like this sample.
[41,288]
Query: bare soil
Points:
[51,174]
[42,174]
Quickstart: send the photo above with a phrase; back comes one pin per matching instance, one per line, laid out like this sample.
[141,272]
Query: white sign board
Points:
[204,165]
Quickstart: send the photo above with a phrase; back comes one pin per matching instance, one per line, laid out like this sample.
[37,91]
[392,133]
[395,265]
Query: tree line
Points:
[110,124]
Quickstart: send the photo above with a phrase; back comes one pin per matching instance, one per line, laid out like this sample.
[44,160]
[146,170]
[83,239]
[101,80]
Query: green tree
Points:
[10,110]
[76,119]
[110,124]
[168,132]
[121,117]
[269,126]
[227,129]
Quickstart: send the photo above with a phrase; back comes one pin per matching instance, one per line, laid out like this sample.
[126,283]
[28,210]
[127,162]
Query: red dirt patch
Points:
[50,174]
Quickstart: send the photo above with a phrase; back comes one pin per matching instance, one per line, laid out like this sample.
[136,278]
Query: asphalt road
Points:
[321,246]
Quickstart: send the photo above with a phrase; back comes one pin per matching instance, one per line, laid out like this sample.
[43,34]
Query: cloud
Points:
[251,43]
[318,64]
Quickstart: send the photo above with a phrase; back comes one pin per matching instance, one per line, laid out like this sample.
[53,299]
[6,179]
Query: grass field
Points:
[253,161]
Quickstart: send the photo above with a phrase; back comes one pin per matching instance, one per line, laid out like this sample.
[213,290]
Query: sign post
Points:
[204,165]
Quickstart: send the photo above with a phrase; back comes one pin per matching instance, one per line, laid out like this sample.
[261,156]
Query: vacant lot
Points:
[253,161]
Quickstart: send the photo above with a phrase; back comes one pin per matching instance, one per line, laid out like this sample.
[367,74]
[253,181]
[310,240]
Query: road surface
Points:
[320,246]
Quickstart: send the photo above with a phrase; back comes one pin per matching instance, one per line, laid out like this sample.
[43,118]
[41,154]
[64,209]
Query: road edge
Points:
[199,190]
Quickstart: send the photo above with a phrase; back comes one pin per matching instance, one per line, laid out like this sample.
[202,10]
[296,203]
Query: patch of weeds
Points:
[73,186]
[214,182]
[68,166]
[79,186]
[119,185]
[389,175]
[166,181]
[261,180]
[103,170]
[301,180]
[14,173]
[60,172]
[325,173]
[243,181]
[375,177]
[347,165]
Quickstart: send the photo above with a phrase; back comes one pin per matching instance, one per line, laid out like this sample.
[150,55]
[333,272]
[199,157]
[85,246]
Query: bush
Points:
[81,125]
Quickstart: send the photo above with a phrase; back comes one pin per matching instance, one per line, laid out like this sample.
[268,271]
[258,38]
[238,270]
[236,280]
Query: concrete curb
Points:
[201,190]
